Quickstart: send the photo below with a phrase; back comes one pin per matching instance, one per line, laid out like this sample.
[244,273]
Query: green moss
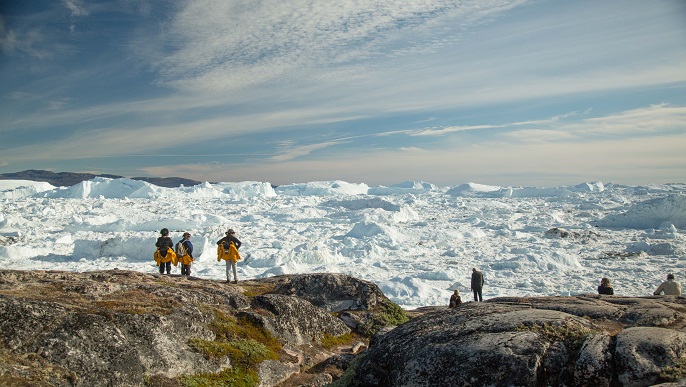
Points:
[390,314]
[245,353]
[235,377]
[228,329]
[572,335]
[253,290]
[329,341]
[393,314]
[136,302]
[675,373]
[348,377]
[244,343]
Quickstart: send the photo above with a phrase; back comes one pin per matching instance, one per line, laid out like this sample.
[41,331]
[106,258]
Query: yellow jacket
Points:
[228,255]
[170,257]
[185,260]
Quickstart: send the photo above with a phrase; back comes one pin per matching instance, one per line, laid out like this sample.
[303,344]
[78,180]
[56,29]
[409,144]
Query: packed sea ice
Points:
[415,240]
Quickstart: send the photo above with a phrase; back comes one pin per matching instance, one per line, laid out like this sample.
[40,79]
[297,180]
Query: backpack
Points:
[180,249]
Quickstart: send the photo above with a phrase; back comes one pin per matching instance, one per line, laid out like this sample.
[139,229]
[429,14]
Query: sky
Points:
[502,92]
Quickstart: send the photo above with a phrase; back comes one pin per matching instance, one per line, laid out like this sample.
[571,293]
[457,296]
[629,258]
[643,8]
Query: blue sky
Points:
[501,92]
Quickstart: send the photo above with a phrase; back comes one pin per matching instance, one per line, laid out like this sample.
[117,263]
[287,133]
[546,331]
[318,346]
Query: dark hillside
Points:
[67,179]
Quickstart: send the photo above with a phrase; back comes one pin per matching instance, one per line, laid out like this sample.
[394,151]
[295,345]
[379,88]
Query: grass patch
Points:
[573,336]
[226,328]
[234,377]
[260,289]
[390,314]
[329,341]
[393,314]
[240,340]
[243,353]
[674,373]
[137,302]
[30,369]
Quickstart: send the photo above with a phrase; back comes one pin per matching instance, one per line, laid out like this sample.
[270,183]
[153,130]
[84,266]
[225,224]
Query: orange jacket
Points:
[228,255]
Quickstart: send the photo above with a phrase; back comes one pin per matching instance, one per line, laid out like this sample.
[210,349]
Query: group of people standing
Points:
[670,287]
[168,253]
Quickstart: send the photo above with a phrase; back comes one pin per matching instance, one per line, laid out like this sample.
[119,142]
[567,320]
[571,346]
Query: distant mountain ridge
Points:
[67,179]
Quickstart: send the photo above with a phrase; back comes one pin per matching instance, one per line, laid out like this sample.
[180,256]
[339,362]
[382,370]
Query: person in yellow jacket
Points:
[227,249]
[184,253]
[164,255]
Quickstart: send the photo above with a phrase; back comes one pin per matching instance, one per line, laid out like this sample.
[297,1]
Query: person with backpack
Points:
[227,249]
[164,255]
[184,253]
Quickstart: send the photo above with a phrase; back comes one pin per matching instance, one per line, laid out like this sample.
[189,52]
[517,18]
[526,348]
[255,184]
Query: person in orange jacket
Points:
[184,253]
[165,256]
[227,249]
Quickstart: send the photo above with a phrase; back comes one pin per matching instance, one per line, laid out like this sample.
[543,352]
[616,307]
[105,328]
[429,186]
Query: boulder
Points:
[583,340]
[643,354]
[296,320]
[333,292]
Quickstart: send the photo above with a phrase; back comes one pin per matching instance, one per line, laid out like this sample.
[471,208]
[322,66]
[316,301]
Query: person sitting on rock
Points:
[455,299]
[605,287]
[669,287]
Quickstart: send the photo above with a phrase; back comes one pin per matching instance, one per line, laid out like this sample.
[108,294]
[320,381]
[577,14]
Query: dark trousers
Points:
[185,269]
[165,266]
[477,292]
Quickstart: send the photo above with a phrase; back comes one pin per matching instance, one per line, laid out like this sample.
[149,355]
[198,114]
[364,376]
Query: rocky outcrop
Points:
[129,329]
[583,340]
[333,292]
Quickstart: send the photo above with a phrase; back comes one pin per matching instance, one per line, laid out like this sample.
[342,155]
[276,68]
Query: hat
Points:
[230,231]
[164,231]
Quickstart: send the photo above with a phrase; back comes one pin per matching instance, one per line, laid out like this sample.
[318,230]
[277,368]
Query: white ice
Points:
[415,240]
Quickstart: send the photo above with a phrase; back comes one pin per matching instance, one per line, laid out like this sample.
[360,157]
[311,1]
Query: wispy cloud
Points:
[222,45]
[655,120]
[287,151]
[25,41]
[76,7]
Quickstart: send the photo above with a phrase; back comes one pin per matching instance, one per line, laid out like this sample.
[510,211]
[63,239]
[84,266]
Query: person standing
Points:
[165,253]
[455,299]
[605,287]
[477,284]
[669,287]
[227,249]
[184,253]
